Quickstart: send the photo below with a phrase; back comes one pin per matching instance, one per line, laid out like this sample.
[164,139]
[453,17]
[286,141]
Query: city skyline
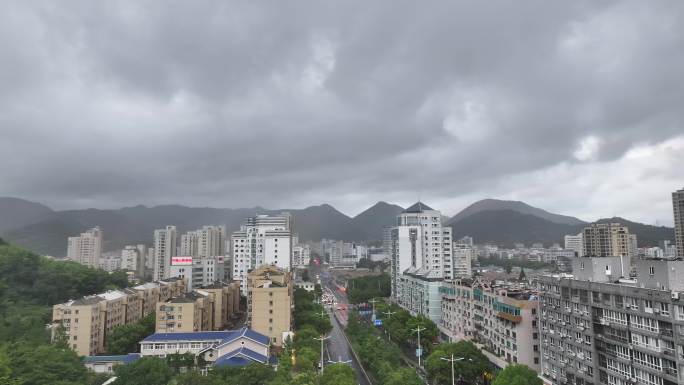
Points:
[570,107]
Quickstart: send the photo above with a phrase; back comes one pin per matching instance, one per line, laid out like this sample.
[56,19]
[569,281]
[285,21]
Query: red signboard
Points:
[181,261]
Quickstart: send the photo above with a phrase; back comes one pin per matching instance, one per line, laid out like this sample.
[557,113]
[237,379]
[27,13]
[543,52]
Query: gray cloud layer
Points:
[295,103]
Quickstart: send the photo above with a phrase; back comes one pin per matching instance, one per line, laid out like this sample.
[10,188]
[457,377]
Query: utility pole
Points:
[420,348]
[389,313]
[321,338]
[372,302]
[452,360]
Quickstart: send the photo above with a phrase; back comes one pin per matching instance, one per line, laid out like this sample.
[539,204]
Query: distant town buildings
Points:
[165,244]
[261,240]
[86,249]
[678,207]
[607,240]
[269,302]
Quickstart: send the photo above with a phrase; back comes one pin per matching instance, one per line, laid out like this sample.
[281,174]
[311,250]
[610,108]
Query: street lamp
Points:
[372,302]
[452,360]
[321,338]
[389,313]
[420,347]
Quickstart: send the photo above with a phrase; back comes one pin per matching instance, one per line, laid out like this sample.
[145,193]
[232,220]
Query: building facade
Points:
[84,323]
[198,271]
[575,243]
[678,208]
[420,243]
[301,255]
[607,240]
[502,319]
[598,328]
[86,249]
[165,248]
[418,292]
[189,312]
[270,302]
[463,255]
[133,259]
[261,240]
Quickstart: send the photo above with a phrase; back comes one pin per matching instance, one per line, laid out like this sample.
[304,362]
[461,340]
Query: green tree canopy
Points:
[45,365]
[517,375]
[145,371]
[471,367]
[338,374]
[125,339]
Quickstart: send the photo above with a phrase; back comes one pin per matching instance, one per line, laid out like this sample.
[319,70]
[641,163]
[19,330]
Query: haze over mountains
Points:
[45,231]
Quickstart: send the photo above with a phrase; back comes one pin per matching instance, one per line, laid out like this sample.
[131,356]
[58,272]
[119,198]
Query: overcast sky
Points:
[575,107]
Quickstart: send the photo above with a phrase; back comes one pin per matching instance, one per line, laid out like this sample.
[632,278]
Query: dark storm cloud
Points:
[282,103]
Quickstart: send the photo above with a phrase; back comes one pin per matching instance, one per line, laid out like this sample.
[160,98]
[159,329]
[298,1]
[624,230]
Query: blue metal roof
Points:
[222,337]
[124,359]
[193,336]
[241,353]
[232,361]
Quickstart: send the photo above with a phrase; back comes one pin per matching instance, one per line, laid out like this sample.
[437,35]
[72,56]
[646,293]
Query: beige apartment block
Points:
[269,302]
[190,312]
[226,303]
[607,240]
[87,321]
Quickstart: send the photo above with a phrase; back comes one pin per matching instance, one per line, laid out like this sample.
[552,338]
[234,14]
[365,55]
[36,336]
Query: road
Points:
[337,348]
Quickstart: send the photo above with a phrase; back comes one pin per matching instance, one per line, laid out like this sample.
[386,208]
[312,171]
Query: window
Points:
[651,270]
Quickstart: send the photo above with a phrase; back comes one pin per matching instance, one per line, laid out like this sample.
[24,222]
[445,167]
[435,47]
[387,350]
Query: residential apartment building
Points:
[301,255]
[87,321]
[599,328]
[421,246]
[342,254]
[574,243]
[110,262]
[198,271]
[209,241]
[607,240]
[270,302]
[418,292]
[189,312]
[463,255]
[133,259]
[165,244]
[226,302]
[86,249]
[678,207]
[502,319]
[261,240]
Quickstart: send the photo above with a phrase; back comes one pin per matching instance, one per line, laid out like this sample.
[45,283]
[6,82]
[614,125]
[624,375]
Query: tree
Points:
[338,374]
[403,376]
[145,371]
[305,275]
[46,365]
[517,375]
[471,367]
[194,377]
[522,275]
[125,339]
[256,374]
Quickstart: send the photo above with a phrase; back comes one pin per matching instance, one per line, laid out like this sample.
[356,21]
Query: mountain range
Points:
[43,230]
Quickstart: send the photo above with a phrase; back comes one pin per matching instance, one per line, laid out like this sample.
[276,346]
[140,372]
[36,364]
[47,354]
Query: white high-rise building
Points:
[261,240]
[133,259]
[209,241]
[574,243]
[86,249]
[165,244]
[301,255]
[420,246]
[463,259]
[188,244]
